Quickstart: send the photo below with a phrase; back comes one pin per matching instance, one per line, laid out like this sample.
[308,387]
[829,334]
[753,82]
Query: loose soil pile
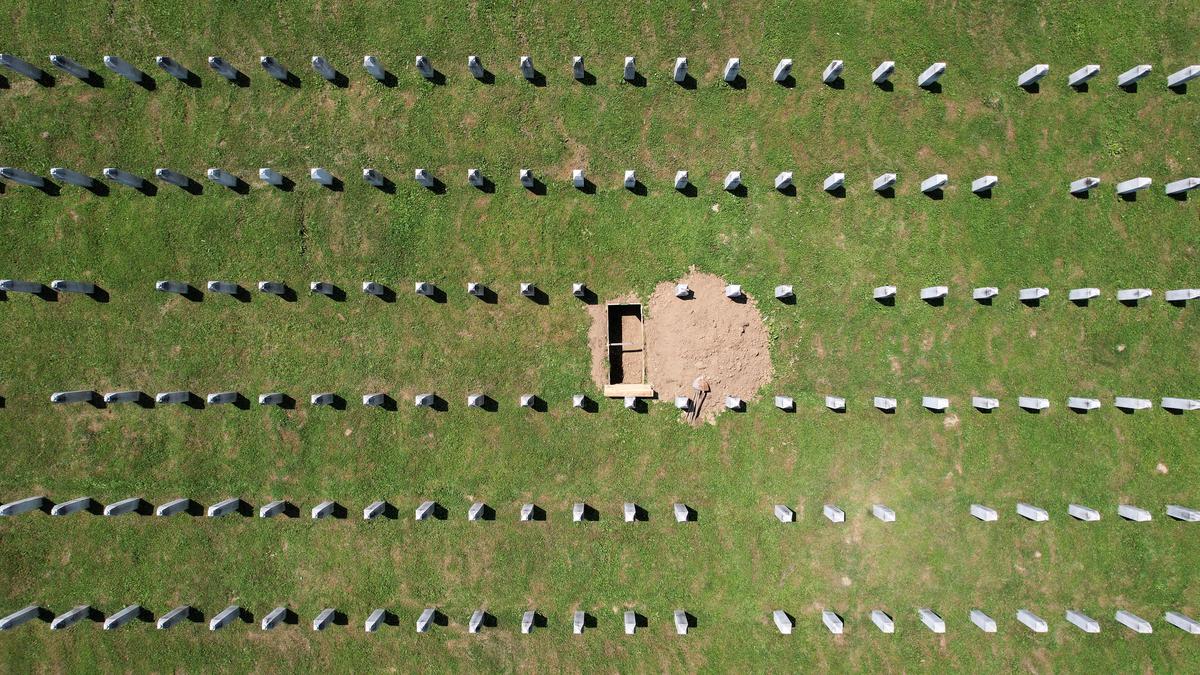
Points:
[707,334]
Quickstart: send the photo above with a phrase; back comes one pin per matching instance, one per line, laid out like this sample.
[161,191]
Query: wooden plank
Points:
[629,389]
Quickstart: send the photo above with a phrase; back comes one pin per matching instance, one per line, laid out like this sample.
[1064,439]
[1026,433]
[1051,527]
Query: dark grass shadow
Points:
[488,77]
[290,81]
[838,192]
[692,621]
[488,186]
[337,294]
[1031,411]
[388,294]
[46,80]
[788,300]
[1032,302]
[688,190]
[1081,302]
[638,80]
[987,302]
[1081,88]
[93,79]
[193,188]
[539,620]
[936,194]
[889,301]
[692,514]
[886,85]
[936,302]
[788,82]
[836,83]
[440,404]
[588,297]
[3,82]
[1179,196]
[46,294]
[935,411]
[639,406]
[985,411]
[1130,88]
[340,618]
[289,294]
[589,188]
[741,299]
[290,618]
[242,294]
[194,402]
[389,404]
[339,80]
[935,88]
[740,191]
[1128,303]
[336,185]
[192,80]
[144,508]
[1085,194]
[389,79]
[239,186]
[438,296]
[240,79]
[538,79]
[286,184]
[489,296]
[538,187]
[888,192]
[147,82]
[487,513]
[640,620]
[390,512]
[1032,87]
[1179,89]
[241,402]
[639,189]
[245,615]
[538,404]
[588,79]
[640,514]
[196,615]
[539,297]
[440,619]
[194,508]
[984,194]
[590,513]
[489,404]
[788,191]
[688,82]
[388,187]
[438,79]
[439,512]
[1128,197]
[438,187]
[148,189]
[589,405]
[50,188]
[738,82]
[538,513]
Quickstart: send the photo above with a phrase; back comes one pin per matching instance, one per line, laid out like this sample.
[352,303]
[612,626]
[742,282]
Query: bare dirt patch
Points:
[708,334]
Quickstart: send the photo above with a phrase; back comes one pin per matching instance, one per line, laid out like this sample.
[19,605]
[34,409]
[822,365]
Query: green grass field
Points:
[737,563]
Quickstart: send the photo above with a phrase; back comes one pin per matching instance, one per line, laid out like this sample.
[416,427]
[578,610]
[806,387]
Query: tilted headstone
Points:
[18,286]
[785,403]
[1133,622]
[375,400]
[985,293]
[682,291]
[71,67]
[1032,294]
[1182,622]
[883,513]
[629,509]
[935,403]
[1133,294]
[1183,76]
[835,403]
[1173,510]
[1180,404]
[223,68]
[883,182]
[984,184]
[72,177]
[21,176]
[272,287]
[733,403]
[527,621]
[172,397]
[122,617]
[20,616]
[1081,76]
[833,182]
[1083,294]
[474,178]
[270,176]
[1084,404]
[526,178]
[934,292]
[832,72]
[630,180]
[578,71]
[373,178]
[578,400]
[425,510]
[578,180]
[274,69]
[527,400]
[1032,621]
[883,292]
[681,180]
[272,509]
[475,67]
[526,65]
[578,510]
[1134,74]
[373,288]
[1084,184]
[630,621]
[173,177]
[1030,77]
[884,403]
[629,69]
[1128,187]
[931,620]
[733,180]
[1080,512]
[325,398]
[783,70]
[631,403]
[476,512]
[124,178]
[1129,403]
[78,396]
[734,291]
[123,506]
[476,400]
[1030,512]
[123,68]
[832,621]
[225,617]
[476,622]
[984,403]
[681,622]
[272,398]
[784,514]
[424,66]
[426,619]
[935,182]
[1033,402]
[274,618]
[733,68]
[321,176]
[679,72]
[883,72]
[985,623]
[931,75]
[223,398]
[984,513]
[19,65]
[16,508]
[783,180]
[1177,187]
[324,619]
[782,621]
[374,510]
[172,507]
[224,507]
[172,68]
[1133,513]
[424,178]
[173,617]
[322,68]
[1082,621]
[681,511]
[86,503]
[374,67]
[424,288]
[833,513]
[882,621]
[375,619]
[578,622]
[323,510]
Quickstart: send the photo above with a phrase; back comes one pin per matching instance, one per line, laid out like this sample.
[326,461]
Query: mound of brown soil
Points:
[707,334]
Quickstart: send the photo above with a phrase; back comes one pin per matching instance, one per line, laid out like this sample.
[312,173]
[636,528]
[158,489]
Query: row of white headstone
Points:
[580,511]
[785,624]
[327,617]
[888,404]
[731,72]
[833,183]
[1035,294]
[785,514]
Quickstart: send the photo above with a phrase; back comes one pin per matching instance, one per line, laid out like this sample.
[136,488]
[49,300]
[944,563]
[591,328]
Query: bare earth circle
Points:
[708,334]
